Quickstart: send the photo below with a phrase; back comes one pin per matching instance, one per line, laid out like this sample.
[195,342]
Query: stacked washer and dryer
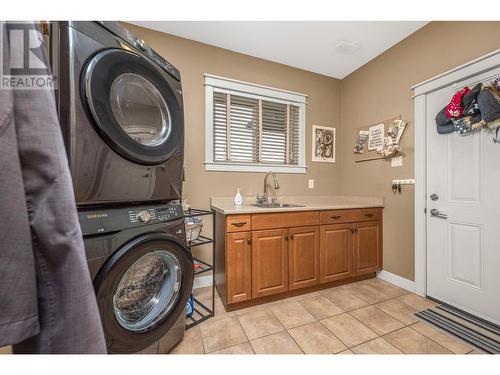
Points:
[121,114]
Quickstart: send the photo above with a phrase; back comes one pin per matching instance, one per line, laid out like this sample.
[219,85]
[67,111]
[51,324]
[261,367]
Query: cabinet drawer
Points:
[238,223]
[284,219]
[350,216]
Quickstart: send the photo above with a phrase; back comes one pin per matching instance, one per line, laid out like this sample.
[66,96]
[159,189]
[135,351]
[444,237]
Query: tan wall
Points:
[193,59]
[375,92]
[381,90]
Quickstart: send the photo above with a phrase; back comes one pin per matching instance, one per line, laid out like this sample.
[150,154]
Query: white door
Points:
[463,214]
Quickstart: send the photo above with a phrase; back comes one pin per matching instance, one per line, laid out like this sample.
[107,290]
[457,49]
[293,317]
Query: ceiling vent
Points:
[346,47]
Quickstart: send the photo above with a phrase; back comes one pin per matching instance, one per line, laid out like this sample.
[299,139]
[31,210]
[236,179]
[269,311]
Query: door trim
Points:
[421,90]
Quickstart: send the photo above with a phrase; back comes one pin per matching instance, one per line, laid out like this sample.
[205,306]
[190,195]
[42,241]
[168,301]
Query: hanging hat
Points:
[469,101]
[489,104]
[463,125]
[443,124]
[455,109]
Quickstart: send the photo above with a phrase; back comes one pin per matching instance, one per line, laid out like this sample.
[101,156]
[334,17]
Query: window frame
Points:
[255,91]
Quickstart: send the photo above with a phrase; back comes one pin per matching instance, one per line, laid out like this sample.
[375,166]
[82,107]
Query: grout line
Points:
[442,331]
[296,343]
[334,335]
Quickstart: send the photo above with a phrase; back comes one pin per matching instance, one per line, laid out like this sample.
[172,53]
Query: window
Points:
[252,128]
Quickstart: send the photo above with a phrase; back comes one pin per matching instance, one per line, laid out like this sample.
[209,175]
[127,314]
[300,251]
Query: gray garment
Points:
[54,311]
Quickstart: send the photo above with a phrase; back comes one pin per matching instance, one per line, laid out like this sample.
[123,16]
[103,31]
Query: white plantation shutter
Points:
[249,129]
[260,131]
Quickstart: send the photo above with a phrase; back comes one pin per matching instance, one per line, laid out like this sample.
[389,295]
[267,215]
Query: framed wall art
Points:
[323,144]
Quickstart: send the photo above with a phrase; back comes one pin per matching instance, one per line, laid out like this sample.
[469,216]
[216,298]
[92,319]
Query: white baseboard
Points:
[202,281]
[397,280]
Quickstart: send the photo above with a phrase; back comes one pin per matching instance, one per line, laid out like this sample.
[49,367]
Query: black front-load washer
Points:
[142,272]
[121,113]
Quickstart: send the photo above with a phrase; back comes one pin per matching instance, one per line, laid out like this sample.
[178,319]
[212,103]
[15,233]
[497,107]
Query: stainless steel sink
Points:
[275,205]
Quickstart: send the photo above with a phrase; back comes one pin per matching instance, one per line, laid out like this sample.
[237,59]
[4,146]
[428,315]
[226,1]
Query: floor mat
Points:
[470,328]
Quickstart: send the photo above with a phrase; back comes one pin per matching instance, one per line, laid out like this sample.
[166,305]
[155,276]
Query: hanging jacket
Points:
[47,300]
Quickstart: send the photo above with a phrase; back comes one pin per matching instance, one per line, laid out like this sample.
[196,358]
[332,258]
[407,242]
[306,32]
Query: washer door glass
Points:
[140,109]
[147,291]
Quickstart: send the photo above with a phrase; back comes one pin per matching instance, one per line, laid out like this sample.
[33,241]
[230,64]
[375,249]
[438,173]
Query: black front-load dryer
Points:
[121,113]
[143,275]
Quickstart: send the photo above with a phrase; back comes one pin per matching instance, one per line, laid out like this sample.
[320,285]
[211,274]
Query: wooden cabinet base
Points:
[293,293]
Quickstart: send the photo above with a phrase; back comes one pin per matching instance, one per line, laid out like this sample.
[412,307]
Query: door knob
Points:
[435,212]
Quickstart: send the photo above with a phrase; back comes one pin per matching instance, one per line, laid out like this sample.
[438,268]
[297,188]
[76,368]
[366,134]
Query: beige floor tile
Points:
[388,289]
[377,320]
[474,351]
[303,296]
[377,346]
[320,307]
[346,352]
[279,343]
[291,314]
[399,310]
[411,342]
[251,309]
[221,333]
[369,293]
[244,348]
[314,338]
[260,323]
[220,310]
[6,350]
[349,330]
[345,299]
[417,302]
[444,339]
[192,343]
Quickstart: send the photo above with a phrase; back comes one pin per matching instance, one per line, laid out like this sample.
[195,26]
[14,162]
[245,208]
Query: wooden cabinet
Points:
[303,257]
[239,266]
[265,254]
[269,262]
[367,247]
[336,252]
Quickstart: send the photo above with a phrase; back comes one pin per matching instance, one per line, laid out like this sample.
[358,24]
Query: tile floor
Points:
[367,317]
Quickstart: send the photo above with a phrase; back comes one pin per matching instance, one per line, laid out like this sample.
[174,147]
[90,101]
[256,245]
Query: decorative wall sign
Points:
[369,139]
[375,136]
[323,144]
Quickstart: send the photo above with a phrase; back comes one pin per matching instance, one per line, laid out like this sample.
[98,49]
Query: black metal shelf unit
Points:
[201,312]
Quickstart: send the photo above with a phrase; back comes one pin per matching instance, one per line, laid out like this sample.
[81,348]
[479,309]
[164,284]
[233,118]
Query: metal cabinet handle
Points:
[335,217]
[435,212]
[291,236]
[239,225]
[369,215]
[249,240]
[286,237]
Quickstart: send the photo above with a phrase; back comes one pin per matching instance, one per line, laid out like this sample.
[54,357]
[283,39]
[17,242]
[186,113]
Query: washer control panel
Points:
[115,219]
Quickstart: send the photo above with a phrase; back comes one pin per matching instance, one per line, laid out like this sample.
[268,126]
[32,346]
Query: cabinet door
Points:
[238,267]
[367,243]
[336,252]
[269,262]
[303,250]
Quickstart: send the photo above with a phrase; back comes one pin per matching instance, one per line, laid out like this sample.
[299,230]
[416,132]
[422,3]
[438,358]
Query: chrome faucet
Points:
[262,199]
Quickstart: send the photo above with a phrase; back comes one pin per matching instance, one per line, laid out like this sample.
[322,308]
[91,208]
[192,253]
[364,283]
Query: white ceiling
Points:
[307,45]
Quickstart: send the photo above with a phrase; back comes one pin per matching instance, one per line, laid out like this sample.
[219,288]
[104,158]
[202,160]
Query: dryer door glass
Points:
[147,291]
[135,106]
[140,109]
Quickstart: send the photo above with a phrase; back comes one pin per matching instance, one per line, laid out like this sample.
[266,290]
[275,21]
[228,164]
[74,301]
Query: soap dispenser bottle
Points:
[238,200]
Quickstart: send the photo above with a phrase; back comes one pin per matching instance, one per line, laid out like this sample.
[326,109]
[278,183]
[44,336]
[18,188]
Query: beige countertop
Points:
[226,206]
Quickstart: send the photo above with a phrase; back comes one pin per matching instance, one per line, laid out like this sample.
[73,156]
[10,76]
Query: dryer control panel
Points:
[98,221]
[141,45]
